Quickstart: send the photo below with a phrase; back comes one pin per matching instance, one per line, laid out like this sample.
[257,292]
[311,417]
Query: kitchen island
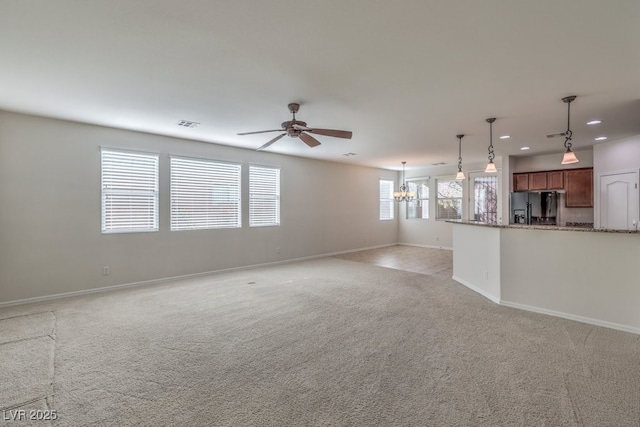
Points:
[584,274]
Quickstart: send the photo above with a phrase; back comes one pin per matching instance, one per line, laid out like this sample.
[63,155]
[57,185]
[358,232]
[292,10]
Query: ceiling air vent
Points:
[188,124]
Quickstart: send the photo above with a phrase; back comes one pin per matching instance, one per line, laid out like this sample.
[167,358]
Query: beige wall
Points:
[50,239]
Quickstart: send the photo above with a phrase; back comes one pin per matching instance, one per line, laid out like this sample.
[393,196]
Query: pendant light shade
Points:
[491,167]
[460,174]
[569,156]
[404,195]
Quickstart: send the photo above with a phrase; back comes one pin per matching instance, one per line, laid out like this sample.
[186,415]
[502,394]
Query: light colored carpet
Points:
[326,342]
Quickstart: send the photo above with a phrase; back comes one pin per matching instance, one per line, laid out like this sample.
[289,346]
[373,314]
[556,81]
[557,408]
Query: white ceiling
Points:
[405,76]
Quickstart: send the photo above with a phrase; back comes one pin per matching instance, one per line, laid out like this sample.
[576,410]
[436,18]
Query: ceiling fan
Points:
[556,135]
[298,129]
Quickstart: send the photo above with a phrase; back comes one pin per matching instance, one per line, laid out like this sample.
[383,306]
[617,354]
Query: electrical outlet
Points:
[486,275]
[106,270]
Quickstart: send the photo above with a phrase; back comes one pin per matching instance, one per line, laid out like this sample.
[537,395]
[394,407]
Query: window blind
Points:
[204,194]
[129,191]
[386,199]
[264,196]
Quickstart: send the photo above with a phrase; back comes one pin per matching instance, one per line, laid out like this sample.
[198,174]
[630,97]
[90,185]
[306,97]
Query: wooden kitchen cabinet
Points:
[555,180]
[537,181]
[520,182]
[578,184]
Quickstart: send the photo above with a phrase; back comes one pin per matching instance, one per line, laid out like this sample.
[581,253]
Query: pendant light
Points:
[569,156]
[460,174]
[491,167]
[404,195]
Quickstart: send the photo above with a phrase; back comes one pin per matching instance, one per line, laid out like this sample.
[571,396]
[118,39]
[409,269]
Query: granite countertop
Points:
[546,227]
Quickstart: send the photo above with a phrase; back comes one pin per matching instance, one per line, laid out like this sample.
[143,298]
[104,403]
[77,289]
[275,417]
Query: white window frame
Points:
[205,194]
[421,199]
[387,199]
[438,198]
[264,196]
[129,191]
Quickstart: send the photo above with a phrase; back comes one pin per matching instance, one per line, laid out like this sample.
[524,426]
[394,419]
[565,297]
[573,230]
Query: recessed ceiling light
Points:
[505,137]
[525,148]
[601,138]
[594,122]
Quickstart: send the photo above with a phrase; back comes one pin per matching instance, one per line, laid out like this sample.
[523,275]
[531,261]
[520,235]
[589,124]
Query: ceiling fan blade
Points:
[260,131]
[555,135]
[309,140]
[270,142]
[331,132]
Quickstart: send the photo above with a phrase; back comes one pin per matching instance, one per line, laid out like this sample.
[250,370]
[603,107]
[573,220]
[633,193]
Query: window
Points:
[449,199]
[485,199]
[129,191]
[386,199]
[264,196]
[418,207]
[204,194]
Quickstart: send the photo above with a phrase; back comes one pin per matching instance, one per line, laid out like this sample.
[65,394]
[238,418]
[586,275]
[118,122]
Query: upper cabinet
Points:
[555,180]
[520,182]
[578,184]
[538,181]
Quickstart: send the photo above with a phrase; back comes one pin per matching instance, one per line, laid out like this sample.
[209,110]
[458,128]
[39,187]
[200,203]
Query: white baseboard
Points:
[569,316]
[180,277]
[482,292]
[446,248]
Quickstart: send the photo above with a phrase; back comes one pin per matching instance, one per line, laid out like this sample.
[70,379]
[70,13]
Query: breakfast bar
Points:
[584,274]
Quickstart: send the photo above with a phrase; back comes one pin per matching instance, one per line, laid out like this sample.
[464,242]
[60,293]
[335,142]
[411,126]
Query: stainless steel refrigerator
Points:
[534,208]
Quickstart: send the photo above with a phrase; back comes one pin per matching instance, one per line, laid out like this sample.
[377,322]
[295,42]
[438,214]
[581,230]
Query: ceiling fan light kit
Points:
[298,129]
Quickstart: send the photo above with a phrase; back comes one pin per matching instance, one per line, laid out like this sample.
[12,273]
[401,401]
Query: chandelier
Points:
[404,195]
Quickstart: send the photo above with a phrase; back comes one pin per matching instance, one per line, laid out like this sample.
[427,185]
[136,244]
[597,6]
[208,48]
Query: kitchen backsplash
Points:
[569,216]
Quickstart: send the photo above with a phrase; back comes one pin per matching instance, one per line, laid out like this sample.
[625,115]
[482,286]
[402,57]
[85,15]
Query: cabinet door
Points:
[555,180]
[578,184]
[520,182]
[538,181]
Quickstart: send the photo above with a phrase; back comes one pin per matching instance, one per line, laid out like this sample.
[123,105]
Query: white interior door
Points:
[619,205]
